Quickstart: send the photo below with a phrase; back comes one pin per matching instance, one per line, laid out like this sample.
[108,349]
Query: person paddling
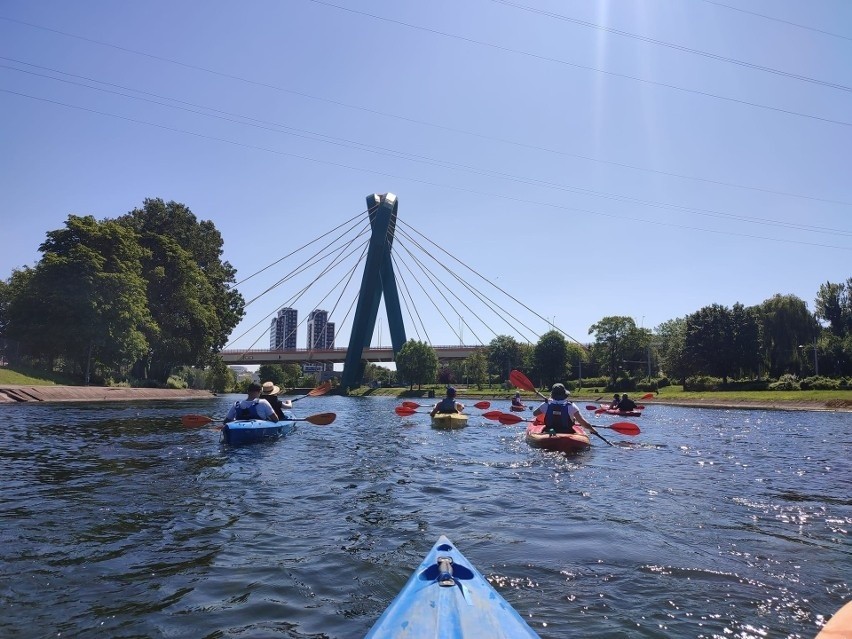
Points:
[516,401]
[269,392]
[559,413]
[252,407]
[448,404]
[626,404]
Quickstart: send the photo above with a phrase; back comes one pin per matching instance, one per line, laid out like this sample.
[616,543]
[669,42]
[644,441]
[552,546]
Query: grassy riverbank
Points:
[25,377]
[792,400]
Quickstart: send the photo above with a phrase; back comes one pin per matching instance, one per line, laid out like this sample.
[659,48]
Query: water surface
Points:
[117,521]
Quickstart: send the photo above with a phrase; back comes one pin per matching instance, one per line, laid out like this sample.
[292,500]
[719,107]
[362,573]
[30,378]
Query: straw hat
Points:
[269,388]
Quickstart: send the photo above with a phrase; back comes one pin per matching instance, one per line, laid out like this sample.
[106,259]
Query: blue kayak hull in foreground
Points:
[445,598]
[252,431]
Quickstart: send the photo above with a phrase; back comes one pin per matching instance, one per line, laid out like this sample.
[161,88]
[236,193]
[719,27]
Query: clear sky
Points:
[589,158]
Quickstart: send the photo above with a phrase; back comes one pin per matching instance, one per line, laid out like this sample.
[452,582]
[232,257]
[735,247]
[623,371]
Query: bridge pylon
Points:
[378,279]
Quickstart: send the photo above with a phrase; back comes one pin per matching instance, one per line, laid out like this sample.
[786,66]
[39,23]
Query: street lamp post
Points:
[816,361]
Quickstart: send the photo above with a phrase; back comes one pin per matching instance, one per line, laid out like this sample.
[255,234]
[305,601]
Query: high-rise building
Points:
[282,330]
[318,330]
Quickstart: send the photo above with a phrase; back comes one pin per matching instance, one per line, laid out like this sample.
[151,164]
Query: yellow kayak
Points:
[449,420]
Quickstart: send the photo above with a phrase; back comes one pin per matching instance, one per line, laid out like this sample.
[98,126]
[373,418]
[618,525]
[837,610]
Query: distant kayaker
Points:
[252,407]
[516,400]
[626,404]
[448,404]
[269,392]
[614,403]
[559,413]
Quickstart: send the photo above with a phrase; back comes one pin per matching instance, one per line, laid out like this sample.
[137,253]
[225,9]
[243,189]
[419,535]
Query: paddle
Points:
[522,381]
[320,419]
[479,405]
[322,389]
[625,428]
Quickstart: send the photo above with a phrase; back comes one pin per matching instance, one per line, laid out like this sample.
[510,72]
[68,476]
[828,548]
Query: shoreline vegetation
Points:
[19,388]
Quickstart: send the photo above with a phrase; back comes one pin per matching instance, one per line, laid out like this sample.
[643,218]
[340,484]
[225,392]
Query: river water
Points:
[116,521]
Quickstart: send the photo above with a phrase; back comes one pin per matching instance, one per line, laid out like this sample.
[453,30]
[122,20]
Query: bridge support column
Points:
[378,279]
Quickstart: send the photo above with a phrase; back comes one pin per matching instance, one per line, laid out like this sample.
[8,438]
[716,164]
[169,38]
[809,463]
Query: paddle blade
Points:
[482,405]
[320,419]
[599,411]
[404,411]
[493,414]
[625,428]
[196,421]
[517,378]
[411,404]
[647,396]
[322,389]
[591,407]
[508,418]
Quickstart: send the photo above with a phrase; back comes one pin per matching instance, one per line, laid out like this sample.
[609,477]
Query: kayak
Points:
[449,420]
[563,442]
[517,409]
[840,624]
[445,598]
[251,431]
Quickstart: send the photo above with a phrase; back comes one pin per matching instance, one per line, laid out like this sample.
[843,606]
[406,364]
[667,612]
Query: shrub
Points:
[786,382]
[175,382]
[702,383]
[820,383]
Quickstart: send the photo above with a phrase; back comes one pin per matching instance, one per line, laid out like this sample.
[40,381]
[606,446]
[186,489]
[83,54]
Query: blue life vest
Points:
[447,405]
[558,418]
[247,413]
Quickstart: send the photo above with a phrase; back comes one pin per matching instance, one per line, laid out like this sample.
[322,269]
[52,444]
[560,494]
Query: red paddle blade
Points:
[404,411]
[625,428]
[194,421]
[411,404]
[508,418]
[647,396]
[599,411]
[517,378]
[322,389]
[591,407]
[482,405]
[492,414]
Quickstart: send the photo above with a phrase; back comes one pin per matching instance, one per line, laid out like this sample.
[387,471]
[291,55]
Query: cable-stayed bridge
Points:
[412,275]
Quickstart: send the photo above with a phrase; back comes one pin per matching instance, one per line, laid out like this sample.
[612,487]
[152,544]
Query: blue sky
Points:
[589,158]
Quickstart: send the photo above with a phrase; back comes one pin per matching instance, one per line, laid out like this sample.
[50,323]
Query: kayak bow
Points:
[447,597]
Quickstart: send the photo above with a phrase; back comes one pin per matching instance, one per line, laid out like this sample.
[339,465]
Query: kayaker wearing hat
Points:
[559,413]
[269,392]
[448,404]
[516,400]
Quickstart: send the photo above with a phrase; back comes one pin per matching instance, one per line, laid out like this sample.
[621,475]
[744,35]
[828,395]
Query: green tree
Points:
[84,301]
[271,373]
[671,346]
[504,354]
[220,378]
[709,341]
[786,323]
[834,305]
[551,358]
[476,368]
[417,363]
[614,337]
[747,340]
[190,294]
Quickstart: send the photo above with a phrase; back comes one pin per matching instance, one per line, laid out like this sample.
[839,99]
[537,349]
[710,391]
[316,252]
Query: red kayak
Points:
[517,409]
[563,442]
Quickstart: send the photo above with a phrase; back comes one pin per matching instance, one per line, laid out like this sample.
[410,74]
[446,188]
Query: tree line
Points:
[779,341]
[130,298]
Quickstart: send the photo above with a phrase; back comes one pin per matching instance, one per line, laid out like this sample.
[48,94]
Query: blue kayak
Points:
[252,431]
[446,598]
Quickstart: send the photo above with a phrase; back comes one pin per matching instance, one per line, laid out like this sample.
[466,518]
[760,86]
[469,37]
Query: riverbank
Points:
[22,393]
